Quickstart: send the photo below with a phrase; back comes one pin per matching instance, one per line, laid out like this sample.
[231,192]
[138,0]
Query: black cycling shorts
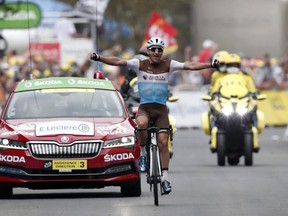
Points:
[158,112]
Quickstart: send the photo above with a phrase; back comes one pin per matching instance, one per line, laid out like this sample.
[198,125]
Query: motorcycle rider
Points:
[233,66]
[220,69]
[153,74]
[230,63]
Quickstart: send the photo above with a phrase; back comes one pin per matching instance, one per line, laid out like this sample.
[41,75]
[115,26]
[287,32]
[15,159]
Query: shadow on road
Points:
[67,195]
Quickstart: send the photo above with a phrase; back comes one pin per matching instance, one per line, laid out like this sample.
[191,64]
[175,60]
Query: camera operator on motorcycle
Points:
[153,74]
[233,120]
[229,63]
[220,69]
[233,66]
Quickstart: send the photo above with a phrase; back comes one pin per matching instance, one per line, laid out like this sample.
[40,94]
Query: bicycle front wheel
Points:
[155,174]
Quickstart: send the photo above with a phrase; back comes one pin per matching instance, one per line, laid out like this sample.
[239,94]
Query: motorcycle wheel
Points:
[233,161]
[221,149]
[248,149]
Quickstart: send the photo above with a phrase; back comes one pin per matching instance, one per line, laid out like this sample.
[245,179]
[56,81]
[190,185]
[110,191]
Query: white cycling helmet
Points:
[155,41]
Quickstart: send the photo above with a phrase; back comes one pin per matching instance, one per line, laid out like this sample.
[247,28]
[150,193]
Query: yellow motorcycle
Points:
[233,121]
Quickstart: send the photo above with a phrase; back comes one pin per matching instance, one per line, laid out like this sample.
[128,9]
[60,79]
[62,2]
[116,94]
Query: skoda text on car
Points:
[67,133]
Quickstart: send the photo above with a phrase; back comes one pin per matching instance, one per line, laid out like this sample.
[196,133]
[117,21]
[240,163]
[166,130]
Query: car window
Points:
[54,103]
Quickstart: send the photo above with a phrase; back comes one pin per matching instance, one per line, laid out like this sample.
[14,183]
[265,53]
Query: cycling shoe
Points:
[166,187]
[142,164]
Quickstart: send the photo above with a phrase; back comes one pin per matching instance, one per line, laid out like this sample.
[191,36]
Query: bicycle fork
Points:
[154,171]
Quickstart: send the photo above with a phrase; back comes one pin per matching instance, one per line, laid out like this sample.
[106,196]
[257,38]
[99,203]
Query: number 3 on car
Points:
[69,165]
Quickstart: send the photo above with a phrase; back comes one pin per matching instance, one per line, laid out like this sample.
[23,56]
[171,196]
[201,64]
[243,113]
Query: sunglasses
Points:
[153,49]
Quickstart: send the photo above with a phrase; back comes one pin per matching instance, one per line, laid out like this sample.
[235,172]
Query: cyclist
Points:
[153,74]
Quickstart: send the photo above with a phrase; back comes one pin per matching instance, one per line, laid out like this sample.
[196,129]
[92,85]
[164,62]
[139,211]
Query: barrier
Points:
[188,109]
[275,107]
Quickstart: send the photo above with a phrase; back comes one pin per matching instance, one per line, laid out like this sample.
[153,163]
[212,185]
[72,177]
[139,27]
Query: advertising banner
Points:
[275,107]
[19,15]
[50,51]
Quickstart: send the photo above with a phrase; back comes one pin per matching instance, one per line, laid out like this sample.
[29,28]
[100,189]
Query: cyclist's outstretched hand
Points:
[215,62]
[95,56]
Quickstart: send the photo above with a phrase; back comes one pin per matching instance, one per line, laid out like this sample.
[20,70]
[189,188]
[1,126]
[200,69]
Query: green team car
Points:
[67,132]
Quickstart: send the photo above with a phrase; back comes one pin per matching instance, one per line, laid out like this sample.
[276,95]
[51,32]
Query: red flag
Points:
[159,27]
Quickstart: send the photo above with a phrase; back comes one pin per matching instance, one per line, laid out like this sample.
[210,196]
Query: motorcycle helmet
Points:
[221,57]
[155,41]
[233,63]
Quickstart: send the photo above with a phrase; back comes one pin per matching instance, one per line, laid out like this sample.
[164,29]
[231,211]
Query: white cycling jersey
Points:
[153,78]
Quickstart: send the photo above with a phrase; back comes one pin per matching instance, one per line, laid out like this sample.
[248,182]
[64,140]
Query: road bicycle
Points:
[154,171]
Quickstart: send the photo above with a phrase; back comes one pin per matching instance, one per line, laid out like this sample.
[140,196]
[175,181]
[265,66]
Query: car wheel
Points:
[6,192]
[131,190]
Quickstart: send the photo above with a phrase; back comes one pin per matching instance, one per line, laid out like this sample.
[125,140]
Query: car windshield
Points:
[59,103]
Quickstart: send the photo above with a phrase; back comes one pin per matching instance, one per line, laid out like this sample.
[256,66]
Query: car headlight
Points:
[12,144]
[127,142]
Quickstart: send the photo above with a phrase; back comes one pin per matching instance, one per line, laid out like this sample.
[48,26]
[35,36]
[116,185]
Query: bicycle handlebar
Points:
[156,129]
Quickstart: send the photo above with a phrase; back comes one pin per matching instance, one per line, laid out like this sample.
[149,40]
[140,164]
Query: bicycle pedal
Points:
[149,180]
[162,192]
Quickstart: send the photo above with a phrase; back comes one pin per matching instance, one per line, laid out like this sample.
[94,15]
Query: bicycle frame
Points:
[154,153]
[154,171]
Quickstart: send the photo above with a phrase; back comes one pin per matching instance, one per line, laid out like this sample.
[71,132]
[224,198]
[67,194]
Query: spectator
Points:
[263,74]
[205,55]
[208,50]
[283,84]
[277,71]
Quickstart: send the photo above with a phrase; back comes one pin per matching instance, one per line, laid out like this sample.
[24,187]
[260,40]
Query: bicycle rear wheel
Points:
[155,174]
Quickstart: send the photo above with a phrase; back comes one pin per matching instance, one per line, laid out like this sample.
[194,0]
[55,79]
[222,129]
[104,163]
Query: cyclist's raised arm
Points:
[200,65]
[196,65]
[108,60]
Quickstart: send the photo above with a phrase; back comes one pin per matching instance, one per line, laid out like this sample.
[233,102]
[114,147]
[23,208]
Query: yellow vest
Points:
[247,81]
[216,75]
